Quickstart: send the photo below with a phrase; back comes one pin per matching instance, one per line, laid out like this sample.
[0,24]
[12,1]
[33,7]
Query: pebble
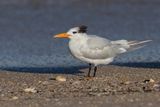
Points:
[56,99]
[45,82]
[152,81]
[14,98]
[131,100]
[30,90]
[39,82]
[156,87]
[76,83]
[2,95]
[150,104]
[60,78]
[80,102]
[127,82]
[149,81]
[47,99]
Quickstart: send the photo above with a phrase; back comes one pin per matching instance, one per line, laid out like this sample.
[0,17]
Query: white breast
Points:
[75,45]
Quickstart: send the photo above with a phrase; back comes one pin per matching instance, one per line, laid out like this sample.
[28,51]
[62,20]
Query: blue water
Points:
[26,30]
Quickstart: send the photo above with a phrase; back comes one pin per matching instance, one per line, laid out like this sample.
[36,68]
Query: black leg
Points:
[89,70]
[95,70]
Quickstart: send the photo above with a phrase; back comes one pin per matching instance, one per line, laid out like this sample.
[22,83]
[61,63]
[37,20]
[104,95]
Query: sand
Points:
[113,86]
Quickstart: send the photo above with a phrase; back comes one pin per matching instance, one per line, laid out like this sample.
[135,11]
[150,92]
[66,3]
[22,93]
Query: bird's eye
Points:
[74,32]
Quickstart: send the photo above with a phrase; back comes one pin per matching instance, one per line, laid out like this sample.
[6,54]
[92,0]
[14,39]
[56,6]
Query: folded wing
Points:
[99,48]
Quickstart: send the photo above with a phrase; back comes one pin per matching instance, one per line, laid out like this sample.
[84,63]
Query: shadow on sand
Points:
[139,64]
[76,69]
[43,70]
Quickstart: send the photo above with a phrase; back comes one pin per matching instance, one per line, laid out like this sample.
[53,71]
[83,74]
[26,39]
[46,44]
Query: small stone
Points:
[150,104]
[137,99]
[99,94]
[156,87]
[76,83]
[14,98]
[56,99]
[131,100]
[80,102]
[147,88]
[127,82]
[47,99]
[30,90]
[149,81]
[60,78]
[39,82]
[2,95]
[146,81]
[45,82]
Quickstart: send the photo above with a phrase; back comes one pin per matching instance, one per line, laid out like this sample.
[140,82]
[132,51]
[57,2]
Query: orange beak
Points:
[62,35]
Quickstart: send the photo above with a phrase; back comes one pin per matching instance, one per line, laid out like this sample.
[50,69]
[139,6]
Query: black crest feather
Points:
[82,29]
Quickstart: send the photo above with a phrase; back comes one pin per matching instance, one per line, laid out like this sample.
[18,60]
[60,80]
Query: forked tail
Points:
[124,45]
[134,45]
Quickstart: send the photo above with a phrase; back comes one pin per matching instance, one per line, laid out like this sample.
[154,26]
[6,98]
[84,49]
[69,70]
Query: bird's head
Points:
[73,32]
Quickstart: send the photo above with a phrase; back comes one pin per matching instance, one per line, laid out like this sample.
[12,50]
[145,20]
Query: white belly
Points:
[97,61]
[75,46]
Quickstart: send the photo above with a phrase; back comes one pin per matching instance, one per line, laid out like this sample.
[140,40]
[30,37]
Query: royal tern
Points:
[96,50]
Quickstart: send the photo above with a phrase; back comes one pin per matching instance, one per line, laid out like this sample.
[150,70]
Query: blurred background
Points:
[27,27]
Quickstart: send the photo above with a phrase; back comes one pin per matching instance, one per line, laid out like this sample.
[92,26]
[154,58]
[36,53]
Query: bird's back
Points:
[95,42]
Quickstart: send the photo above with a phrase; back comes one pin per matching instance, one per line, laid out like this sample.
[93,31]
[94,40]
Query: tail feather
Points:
[134,45]
[124,45]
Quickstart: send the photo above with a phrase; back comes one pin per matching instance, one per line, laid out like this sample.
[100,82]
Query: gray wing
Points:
[97,42]
[98,48]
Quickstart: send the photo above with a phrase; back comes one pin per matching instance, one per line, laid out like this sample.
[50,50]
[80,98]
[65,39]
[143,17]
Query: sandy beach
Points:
[114,86]
[31,60]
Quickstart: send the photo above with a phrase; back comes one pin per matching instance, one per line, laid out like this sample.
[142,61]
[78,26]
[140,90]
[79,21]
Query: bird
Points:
[96,50]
